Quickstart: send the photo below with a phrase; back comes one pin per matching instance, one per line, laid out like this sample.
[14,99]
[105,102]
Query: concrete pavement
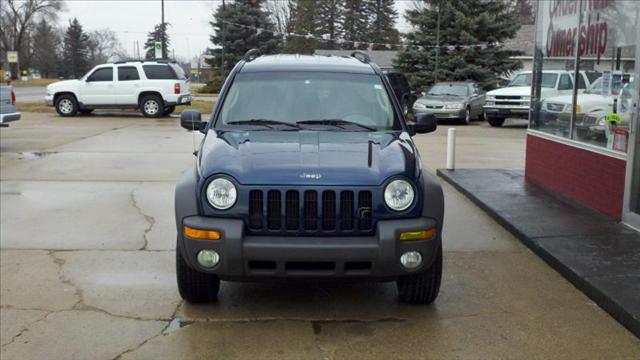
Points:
[87,265]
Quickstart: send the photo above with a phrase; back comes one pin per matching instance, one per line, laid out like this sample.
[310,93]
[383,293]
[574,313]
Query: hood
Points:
[308,157]
[583,99]
[511,91]
[440,100]
[63,83]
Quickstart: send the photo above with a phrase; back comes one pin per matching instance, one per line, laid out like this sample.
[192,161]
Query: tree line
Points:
[469,45]
[29,27]
[341,24]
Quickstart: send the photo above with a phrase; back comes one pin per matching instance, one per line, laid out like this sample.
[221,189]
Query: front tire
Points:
[151,106]
[195,286]
[422,287]
[495,121]
[66,105]
[467,116]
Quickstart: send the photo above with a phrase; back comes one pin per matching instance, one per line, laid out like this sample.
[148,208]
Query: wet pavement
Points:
[87,265]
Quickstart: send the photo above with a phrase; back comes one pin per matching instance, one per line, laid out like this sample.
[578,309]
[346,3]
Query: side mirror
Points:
[425,123]
[423,93]
[192,120]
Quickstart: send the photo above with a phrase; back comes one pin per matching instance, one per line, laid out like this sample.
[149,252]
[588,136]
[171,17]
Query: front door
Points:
[98,89]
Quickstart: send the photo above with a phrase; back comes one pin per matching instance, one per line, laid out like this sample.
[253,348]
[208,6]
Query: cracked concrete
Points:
[87,266]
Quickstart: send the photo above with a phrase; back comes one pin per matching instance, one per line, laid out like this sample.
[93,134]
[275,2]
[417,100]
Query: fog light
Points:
[411,259]
[208,258]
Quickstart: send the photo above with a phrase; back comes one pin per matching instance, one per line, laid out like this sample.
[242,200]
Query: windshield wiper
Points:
[339,123]
[263,122]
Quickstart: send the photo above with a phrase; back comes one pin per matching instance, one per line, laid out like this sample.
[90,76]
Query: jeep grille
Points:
[310,211]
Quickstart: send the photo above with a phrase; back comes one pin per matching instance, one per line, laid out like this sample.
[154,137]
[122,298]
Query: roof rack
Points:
[361,55]
[251,55]
[161,61]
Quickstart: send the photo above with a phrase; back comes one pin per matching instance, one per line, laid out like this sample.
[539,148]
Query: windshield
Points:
[548,80]
[596,88]
[449,89]
[317,100]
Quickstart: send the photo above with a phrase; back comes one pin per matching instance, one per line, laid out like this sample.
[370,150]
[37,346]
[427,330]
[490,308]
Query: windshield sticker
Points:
[377,86]
[307,81]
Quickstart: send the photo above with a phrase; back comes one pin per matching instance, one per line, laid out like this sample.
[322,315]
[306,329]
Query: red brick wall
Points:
[591,179]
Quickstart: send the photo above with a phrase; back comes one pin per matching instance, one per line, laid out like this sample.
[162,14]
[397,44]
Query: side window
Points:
[159,72]
[581,83]
[127,73]
[102,74]
[565,82]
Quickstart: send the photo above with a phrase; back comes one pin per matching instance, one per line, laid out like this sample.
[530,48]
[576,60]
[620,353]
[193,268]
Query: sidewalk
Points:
[597,255]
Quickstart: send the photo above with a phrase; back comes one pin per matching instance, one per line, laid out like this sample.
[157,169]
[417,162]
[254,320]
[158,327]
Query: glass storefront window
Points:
[584,78]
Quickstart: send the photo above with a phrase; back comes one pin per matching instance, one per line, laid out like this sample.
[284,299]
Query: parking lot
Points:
[87,265]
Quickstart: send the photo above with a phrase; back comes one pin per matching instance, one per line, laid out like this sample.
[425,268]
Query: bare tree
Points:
[104,46]
[18,18]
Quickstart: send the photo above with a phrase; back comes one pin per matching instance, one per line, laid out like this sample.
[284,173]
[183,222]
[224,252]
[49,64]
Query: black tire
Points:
[467,116]
[85,111]
[151,106]
[66,105]
[495,121]
[169,110]
[422,287]
[195,286]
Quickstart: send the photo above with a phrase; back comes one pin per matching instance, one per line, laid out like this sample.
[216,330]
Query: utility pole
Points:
[435,73]
[224,35]
[163,31]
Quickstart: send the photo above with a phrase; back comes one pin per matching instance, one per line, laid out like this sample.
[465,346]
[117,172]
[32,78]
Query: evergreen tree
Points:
[238,33]
[356,23]
[75,50]
[462,22]
[46,43]
[304,22]
[330,19]
[158,34]
[382,29]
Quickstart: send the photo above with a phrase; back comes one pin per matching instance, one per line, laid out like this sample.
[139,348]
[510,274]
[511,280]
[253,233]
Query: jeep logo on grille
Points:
[363,212]
[315,176]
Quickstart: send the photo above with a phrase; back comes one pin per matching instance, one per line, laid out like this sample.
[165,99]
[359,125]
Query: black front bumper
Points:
[249,258]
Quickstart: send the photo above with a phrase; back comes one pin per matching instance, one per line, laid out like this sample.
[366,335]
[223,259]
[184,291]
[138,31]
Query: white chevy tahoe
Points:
[155,87]
[515,99]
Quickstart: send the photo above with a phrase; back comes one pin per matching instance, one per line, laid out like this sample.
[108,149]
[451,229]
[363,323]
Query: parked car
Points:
[515,99]
[308,170]
[8,110]
[560,108]
[452,100]
[155,87]
[401,88]
[596,108]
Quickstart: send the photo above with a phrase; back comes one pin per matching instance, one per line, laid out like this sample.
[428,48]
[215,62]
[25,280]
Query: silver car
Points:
[452,101]
[8,110]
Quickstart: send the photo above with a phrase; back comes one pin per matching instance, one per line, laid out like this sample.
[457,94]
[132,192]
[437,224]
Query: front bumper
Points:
[441,114]
[247,258]
[506,111]
[48,99]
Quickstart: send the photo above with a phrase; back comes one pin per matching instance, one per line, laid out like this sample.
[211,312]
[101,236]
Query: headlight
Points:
[221,193]
[569,108]
[526,98]
[454,106]
[602,121]
[398,195]
[489,103]
[490,97]
[418,105]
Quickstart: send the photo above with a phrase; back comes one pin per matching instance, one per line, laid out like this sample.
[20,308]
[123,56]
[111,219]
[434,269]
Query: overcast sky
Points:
[131,20]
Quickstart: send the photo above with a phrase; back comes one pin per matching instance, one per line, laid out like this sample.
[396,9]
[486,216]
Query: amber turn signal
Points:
[418,235]
[201,234]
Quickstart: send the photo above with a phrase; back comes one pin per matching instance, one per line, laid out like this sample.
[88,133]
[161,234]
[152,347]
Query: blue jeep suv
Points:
[308,171]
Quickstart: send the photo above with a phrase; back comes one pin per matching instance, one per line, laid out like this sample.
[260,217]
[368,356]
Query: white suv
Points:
[514,100]
[155,87]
